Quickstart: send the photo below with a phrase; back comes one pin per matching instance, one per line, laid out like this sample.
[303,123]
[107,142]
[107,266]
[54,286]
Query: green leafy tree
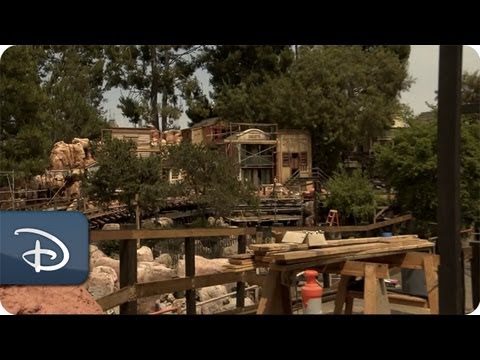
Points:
[24,141]
[48,93]
[121,174]
[352,195]
[344,95]
[74,81]
[409,166]
[157,77]
[209,178]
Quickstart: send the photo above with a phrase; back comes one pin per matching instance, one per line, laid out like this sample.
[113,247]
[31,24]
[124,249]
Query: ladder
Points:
[332,218]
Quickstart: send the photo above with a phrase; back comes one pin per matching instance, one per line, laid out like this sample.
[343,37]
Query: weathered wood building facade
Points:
[263,152]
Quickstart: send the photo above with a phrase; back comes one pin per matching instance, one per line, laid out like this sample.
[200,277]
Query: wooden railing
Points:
[130,290]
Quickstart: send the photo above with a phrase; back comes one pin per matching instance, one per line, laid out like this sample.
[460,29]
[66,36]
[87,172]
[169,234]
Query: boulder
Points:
[101,281]
[165,259]
[203,266]
[106,261]
[152,271]
[144,254]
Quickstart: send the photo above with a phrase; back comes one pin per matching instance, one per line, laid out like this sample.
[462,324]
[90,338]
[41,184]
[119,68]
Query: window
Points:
[286,160]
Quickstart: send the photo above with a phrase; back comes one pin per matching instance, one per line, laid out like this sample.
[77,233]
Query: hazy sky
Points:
[423,68]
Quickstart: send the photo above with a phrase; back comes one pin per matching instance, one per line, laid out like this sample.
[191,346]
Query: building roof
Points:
[206,122]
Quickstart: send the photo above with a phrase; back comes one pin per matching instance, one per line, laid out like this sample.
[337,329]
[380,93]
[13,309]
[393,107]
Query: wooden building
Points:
[263,152]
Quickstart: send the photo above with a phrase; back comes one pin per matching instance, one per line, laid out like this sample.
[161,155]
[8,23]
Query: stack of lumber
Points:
[263,252]
[338,250]
[261,255]
[353,248]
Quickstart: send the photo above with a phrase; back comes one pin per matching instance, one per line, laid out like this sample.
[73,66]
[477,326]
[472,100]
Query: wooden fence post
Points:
[190,294]
[128,273]
[242,249]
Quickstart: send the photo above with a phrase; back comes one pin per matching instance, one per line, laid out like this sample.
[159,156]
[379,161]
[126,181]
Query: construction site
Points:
[250,262]
[282,248]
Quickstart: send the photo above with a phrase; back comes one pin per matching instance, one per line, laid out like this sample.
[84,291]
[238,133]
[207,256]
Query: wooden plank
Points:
[332,243]
[230,267]
[431,263]
[100,235]
[197,282]
[276,298]
[320,262]
[297,237]
[240,261]
[241,256]
[395,298]
[357,268]
[339,250]
[128,273]
[396,220]
[370,290]
[277,247]
[119,297]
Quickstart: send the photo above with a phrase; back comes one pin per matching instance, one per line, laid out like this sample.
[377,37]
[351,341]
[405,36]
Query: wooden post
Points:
[326,280]
[190,294]
[451,275]
[128,273]
[137,216]
[475,273]
[242,249]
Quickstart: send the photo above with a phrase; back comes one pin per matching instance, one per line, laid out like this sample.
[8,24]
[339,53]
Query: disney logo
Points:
[38,251]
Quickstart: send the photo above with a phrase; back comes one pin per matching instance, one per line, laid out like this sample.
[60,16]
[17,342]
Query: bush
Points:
[352,195]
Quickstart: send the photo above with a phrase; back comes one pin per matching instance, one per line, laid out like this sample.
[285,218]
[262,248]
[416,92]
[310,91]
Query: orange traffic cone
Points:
[312,294]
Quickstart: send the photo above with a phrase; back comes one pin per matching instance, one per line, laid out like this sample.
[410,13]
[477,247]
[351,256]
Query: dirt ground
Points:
[48,300]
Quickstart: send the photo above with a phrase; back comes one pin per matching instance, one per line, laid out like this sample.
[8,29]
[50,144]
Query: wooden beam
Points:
[357,268]
[475,273]
[451,274]
[186,283]
[242,249]
[190,272]
[119,297]
[99,235]
[128,273]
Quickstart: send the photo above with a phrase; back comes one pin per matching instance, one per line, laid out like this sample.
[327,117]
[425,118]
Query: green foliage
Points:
[344,95]
[149,72]
[352,195]
[121,175]
[410,167]
[48,93]
[209,178]
[74,83]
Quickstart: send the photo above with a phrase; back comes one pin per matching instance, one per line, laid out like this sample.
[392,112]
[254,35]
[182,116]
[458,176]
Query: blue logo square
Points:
[43,248]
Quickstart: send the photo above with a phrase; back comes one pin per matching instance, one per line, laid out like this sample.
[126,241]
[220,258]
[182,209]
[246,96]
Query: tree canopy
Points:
[150,71]
[48,93]
[409,166]
[345,95]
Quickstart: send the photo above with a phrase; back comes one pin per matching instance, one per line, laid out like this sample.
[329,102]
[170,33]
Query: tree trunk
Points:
[165,93]
[154,89]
